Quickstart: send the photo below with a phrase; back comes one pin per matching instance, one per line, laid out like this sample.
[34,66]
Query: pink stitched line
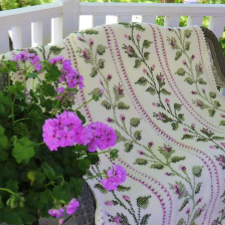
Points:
[165,57]
[158,129]
[121,63]
[180,96]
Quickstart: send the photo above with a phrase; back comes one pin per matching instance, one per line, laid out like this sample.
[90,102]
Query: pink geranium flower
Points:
[57,213]
[71,208]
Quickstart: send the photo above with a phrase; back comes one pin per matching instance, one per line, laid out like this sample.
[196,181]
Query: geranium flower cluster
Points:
[115,177]
[71,208]
[28,57]
[67,130]
[70,77]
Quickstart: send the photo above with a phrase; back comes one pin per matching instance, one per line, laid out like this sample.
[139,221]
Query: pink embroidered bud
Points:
[102,91]
[80,39]
[109,77]
[184,62]
[145,71]
[101,82]
[150,144]
[183,168]
[125,197]
[122,117]
[168,174]
[193,56]
[109,120]
[138,37]
[223,144]
[109,203]
[193,92]
[212,147]
[153,67]
[140,152]
[91,42]
[155,104]
[185,130]
[203,90]
[193,125]
[188,211]
[167,101]
[222,115]
[126,36]
[199,200]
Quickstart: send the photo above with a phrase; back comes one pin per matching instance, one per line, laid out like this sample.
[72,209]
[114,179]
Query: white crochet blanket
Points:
[161,98]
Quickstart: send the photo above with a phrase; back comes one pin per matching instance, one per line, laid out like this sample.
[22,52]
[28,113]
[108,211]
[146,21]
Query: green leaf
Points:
[137,63]
[177,106]
[211,112]
[48,170]
[101,188]
[178,55]
[198,187]
[176,159]
[189,80]
[90,31]
[125,24]
[134,122]
[143,202]
[61,193]
[128,146]
[145,218]
[180,72]
[81,117]
[3,138]
[123,188]
[137,135]
[94,72]
[201,81]
[101,49]
[151,90]
[181,222]
[187,33]
[146,55]
[23,150]
[84,164]
[157,166]
[185,202]
[217,138]
[212,94]
[181,116]
[119,137]
[31,175]
[122,106]
[12,185]
[56,50]
[217,103]
[141,162]
[165,92]
[198,69]
[52,74]
[147,44]
[187,136]
[197,171]
[187,45]
[138,27]
[106,104]
[142,81]
[222,123]
[202,140]
[101,63]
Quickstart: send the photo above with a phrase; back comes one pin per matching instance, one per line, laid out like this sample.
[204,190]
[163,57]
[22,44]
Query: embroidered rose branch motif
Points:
[192,72]
[156,85]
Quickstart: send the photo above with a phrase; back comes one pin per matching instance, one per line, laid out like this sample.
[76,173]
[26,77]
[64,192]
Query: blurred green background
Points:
[12,4]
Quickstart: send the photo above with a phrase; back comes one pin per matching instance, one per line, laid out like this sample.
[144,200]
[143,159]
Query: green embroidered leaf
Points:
[106,104]
[147,44]
[118,92]
[134,122]
[187,45]
[100,188]
[128,146]
[146,55]
[176,159]
[165,92]
[202,140]
[138,27]
[114,153]
[187,136]
[3,138]
[166,152]
[175,126]
[217,103]
[222,123]
[198,69]
[217,138]
[94,72]
[123,188]
[198,187]
[142,81]
[101,63]
[187,33]
[212,94]
[122,106]
[189,80]
[180,72]
[178,55]
[141,162]
[119,137]
[137,135]
[201,104]
[90,31]
[151,90]
[143,202]
[181,116]
[101,49]
[201,81]
[137,63]
[173,43]
[185,202]
[181,222]
[157,166]
[211,112]
[23,150]
[127,25]
[177,106]
[145,218]
[197,171]
[123,219]
[56,50]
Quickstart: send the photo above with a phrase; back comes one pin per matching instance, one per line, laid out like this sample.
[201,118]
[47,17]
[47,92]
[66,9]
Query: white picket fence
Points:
[49,23]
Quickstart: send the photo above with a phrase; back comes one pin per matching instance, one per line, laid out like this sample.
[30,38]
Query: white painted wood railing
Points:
[49,23]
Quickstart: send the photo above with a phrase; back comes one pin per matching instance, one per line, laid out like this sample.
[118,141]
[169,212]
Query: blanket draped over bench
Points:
[161,98]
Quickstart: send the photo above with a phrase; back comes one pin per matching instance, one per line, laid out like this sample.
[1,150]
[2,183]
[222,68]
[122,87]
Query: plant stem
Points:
[7,190]
[84,104]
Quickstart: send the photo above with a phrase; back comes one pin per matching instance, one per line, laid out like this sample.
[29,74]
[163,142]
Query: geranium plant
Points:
[46,147]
